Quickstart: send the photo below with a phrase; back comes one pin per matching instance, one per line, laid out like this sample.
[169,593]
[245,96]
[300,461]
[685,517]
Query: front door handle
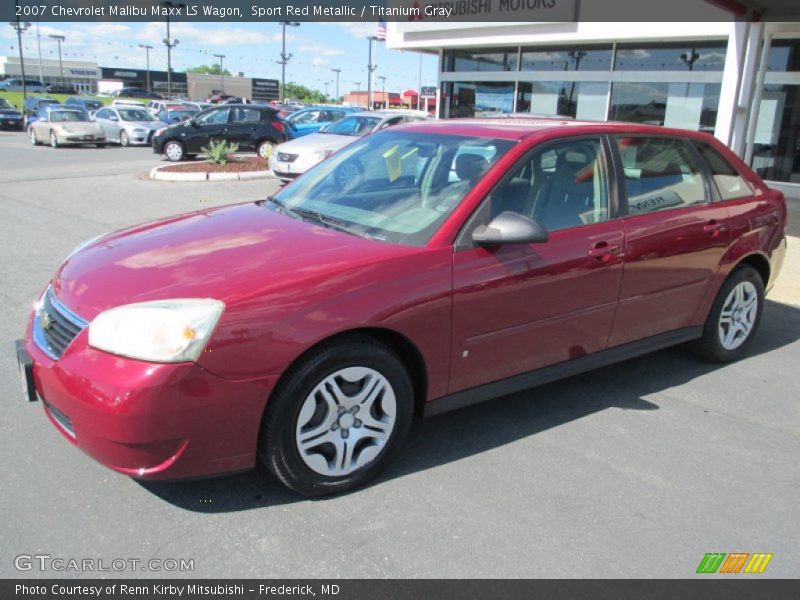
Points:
[603,251]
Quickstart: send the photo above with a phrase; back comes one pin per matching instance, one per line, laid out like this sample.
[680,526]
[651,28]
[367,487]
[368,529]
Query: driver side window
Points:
[561,185]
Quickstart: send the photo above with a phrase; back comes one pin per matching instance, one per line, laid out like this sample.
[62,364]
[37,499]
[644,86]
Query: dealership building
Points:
[90,78]
[738,80]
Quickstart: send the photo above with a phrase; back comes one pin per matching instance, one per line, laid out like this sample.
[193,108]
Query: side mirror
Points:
[113,118]
[510,228]
[193,123]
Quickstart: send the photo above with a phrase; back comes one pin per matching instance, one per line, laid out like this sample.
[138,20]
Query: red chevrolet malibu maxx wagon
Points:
[421,269]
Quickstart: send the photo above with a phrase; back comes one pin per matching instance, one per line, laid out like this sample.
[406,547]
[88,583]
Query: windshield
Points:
[354,126]
[62,116]
[135,114]
[4,103]
[393,186]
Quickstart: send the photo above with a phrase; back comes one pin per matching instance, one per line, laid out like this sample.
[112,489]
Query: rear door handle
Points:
[713,228]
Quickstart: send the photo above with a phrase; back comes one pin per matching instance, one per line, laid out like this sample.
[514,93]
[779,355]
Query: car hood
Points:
[233,254]
[316,142]
[10,112]
[78,126]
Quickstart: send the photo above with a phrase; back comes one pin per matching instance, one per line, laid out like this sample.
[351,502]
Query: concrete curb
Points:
[159,174]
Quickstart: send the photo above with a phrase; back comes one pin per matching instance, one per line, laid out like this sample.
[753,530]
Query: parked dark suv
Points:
[254,128]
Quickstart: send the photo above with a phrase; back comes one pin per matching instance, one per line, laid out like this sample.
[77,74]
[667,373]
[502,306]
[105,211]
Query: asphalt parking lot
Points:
[635,470]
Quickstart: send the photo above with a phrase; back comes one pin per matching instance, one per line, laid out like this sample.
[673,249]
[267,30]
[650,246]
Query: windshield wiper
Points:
[282,208]
[328,221]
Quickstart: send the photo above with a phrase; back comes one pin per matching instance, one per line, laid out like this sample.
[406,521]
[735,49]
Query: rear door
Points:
[244,128]
[675,235]
[521,307]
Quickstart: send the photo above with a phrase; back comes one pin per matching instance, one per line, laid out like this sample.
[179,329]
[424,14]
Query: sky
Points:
[251,48]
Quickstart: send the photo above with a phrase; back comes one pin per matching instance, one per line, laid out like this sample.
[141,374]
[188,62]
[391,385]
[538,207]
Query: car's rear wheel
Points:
[124,139]
[734,317]
[265,149]
[174,151]
[338,417]
[53,139]
[34,141]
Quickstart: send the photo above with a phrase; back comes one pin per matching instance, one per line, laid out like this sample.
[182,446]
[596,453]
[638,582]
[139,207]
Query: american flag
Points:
[381,33]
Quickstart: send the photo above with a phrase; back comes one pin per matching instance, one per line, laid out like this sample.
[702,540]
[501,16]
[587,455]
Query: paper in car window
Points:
[397,163]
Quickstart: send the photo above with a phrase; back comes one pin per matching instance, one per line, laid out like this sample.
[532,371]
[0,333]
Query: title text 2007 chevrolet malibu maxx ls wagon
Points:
[423,268]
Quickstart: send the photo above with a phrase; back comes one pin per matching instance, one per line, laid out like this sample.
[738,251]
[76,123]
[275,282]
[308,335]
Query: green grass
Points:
[15,98]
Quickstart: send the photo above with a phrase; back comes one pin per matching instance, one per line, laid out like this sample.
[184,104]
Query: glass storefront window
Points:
[681,105]
[671,57]
[776,146]
[580,58]
[784,55]
[504,59]
[477,99]
[582,100]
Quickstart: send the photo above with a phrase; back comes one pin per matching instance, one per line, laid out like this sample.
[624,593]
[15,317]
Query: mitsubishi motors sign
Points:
[448,13]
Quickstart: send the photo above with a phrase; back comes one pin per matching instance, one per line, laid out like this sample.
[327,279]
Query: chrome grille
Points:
[55,326]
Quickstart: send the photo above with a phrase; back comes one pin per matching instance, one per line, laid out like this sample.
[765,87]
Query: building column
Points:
[739,76]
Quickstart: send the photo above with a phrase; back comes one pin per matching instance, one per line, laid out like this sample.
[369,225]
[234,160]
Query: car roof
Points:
[518,127]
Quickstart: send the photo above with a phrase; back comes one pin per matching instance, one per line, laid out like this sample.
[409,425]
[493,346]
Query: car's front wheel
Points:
[124,139]
[34,141]
[734,317]
[174,151]
[337,418]
[53,139]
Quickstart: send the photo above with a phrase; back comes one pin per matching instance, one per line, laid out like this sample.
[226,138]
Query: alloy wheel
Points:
[738,315]
[346,421]
[174,151]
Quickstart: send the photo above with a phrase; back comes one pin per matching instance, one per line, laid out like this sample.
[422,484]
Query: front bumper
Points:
[11,123]
[288,171]
[148,420]
[81,139]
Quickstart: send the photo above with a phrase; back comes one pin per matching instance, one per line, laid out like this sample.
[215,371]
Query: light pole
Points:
[59,39]
[285,57]
[39,48]
[221,73]
[337,71]
[170,44]
[19,28]
[326,84]
[383,91]
[147,52]
[371,66]
[358,92]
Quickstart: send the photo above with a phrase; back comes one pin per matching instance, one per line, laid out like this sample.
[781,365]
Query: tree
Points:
[208,70]
[304,94]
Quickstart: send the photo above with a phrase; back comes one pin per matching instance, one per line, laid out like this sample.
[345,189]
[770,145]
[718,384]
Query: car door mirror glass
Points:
[510,228]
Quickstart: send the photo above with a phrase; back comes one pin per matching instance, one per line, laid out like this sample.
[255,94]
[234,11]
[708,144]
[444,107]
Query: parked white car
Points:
[127,125]
[135,103]
[293,158]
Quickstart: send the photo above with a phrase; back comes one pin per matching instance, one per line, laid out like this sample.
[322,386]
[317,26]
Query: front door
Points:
[520,307]
[675,237]
[213,125]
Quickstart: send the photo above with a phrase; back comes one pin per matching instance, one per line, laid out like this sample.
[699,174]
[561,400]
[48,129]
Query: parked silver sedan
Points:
[128,125]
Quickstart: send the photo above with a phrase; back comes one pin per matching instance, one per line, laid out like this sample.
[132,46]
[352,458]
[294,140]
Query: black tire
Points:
[174,151]
[278,445]
[34,141]
[53,139]
[710,347]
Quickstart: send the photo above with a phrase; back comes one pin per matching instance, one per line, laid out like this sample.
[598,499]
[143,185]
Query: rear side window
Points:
[729,182]
[659,174]
[246,115]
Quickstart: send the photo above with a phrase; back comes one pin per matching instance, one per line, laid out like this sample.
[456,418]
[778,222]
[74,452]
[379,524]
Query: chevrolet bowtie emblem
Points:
[47,321]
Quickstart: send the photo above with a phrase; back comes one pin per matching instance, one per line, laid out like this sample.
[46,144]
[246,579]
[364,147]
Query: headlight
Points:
[161,331]
[160,131]
[322,154]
